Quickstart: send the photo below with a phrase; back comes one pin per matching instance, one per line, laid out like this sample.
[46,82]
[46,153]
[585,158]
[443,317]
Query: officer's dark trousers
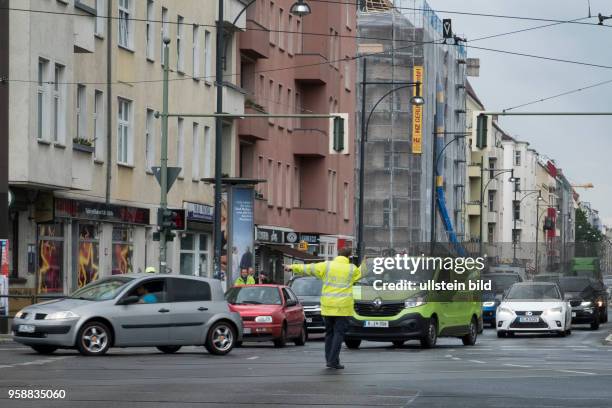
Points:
[335,328]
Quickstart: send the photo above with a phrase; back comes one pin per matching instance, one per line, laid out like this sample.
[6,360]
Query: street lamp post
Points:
[483,188]
[529,192]
[415,100]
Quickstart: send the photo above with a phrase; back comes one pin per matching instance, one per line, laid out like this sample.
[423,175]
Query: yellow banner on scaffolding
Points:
[417,113]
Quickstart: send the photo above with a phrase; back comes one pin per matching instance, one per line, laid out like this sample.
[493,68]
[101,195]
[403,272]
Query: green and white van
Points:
[423,313]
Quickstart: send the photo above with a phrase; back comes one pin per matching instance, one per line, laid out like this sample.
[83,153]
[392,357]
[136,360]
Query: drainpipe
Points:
[109,99]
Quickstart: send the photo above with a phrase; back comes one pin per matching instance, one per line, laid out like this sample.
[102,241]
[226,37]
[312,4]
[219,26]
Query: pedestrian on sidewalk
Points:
[338,278]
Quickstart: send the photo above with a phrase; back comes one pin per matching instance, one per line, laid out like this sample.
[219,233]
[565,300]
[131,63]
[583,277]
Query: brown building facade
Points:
[298,65]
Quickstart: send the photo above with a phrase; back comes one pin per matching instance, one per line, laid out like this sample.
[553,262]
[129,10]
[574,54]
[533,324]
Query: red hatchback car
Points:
[269,313]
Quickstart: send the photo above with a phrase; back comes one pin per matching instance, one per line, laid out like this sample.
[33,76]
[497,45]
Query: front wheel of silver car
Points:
[220,339]
[94,339]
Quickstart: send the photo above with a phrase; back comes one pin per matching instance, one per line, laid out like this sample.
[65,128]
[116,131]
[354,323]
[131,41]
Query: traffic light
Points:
[482,123]
[338,134]
[171,218]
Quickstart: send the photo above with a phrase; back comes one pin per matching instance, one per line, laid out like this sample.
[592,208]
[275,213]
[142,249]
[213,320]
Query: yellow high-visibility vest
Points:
[338,277]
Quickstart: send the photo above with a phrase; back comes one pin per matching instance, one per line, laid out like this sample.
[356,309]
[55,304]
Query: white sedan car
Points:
[534,307]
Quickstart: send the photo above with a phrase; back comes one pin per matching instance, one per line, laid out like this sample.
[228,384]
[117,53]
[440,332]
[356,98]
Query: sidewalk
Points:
[6,338]
[608,340]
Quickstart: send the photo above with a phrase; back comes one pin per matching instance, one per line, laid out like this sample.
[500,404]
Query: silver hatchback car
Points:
[135,310]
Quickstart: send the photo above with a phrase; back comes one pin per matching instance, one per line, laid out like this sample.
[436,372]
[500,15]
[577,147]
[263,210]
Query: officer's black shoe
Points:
[336,366]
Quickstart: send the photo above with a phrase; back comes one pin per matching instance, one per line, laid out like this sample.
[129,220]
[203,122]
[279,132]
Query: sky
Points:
[581,146]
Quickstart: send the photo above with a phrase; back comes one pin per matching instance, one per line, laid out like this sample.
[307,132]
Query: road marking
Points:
[448,355]
[478,361]
[15,348]
[455,358]
[517,365]
[576,372]
[253,358]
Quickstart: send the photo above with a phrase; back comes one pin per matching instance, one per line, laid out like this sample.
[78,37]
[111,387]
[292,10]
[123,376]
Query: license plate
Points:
[573,314]
[376,323]
[26,328]
[529,319]
[247,330]
[309,320]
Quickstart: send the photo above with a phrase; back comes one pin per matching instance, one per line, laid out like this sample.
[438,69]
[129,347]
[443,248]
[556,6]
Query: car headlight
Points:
[415,302]
[502,309]
[19,314]
[61,315]
[488,304]
[585,303]
[263,319]
[554,310]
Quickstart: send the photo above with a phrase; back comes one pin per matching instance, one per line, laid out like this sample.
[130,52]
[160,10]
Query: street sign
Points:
[303,246]
[447,28]
[173,173]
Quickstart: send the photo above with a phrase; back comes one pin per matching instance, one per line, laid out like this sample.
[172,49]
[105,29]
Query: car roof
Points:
[166,275]
[532,283]
[265,285]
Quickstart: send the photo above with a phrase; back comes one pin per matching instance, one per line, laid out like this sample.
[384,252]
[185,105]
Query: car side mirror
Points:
[291,303]
[129,300]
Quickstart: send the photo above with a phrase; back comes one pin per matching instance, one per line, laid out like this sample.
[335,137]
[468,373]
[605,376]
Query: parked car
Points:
[269,313]
[551,277]
[534,307]
[500,282]
[133,310]
[588,299]
[607,280]
[396,315]
[308,291]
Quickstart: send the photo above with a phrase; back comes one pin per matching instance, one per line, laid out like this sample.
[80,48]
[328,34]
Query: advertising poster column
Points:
[241,237]
[4,275]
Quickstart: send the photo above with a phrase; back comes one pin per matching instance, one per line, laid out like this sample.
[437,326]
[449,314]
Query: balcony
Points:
[314,220]
[309,143]
[312,69]
[233,99]
[231,8]
[492,216]
[473,209]
[254,42]
[253,129]
[83,29]
[82,168]
[474,171]
[493,184]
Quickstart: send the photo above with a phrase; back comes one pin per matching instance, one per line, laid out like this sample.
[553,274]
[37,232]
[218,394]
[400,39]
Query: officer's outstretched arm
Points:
[317,270]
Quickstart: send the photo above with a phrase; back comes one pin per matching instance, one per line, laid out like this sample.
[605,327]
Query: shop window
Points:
[88,255]
[50,258]
[194,255]
[123,247]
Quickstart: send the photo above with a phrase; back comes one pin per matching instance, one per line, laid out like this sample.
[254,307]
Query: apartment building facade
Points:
[84,137]
[298,65]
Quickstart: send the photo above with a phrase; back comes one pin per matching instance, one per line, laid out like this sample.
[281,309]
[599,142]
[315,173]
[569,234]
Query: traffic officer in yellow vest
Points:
[338,277]
[244,278]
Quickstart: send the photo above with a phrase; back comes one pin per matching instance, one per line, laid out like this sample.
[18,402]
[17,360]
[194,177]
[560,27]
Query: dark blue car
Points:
[500,281]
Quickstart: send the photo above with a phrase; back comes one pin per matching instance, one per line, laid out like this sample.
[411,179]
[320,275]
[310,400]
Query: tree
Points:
[585,232]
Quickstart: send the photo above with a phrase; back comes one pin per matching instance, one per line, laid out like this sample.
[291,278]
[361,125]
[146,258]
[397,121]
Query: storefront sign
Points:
[199,212]
[86,210]
[270,235]
[417,114]
[309,238]
[241,256]
[291,237]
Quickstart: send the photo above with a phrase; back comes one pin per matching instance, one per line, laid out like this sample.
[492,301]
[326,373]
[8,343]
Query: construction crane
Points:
[584,185]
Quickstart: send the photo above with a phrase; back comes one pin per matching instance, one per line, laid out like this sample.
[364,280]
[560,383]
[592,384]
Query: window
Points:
[491,200]
[195,153]
[100,20]
[298,37]
[180,145]
[516,210]
[126,24]
[98,125]
[188,290]
[330,187]
[123,250]
[347,74]
[271,100]
[279,185]
[207,56]
[334,192]
[272,27]
[195,52]
[517,184]
[124,132]
[517,157]
[491,232]
[89,250]
[346,201]
[151,291]
[81,113]
[42,108]
[164,33]
[386,213]
[180,55]
[149,140]
[207,156]
[516,236]
[50,258]
[281,29]
[347,12]
[296,186]
[290,40]
[58,104]
[288,179]
[150,30]
[195,255]
[279,102]
[270,183]
[492,162]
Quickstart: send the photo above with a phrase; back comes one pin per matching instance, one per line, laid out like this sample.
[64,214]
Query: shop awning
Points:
[295,253]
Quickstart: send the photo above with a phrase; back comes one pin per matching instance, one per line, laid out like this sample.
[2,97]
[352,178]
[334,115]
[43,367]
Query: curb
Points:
[6,338]
[608,340]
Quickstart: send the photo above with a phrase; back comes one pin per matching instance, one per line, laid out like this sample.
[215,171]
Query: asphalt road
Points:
[525,371]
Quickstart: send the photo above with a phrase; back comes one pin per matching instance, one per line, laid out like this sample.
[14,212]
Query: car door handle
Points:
[202,308]
[163,310]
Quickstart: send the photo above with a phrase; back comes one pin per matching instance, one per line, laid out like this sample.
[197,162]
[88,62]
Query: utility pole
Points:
[514,225]
[360,244]
[481,202]
[4,118]
[537,235]
[218,140]
[163,174]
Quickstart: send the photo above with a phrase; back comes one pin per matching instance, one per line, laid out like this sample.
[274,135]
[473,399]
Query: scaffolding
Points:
[398,182]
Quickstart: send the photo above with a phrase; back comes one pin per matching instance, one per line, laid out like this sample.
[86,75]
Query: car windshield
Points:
[103,289]
[392,275]
[573,284]
[307,287]
[501,282]
[253,295]
[533,292]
